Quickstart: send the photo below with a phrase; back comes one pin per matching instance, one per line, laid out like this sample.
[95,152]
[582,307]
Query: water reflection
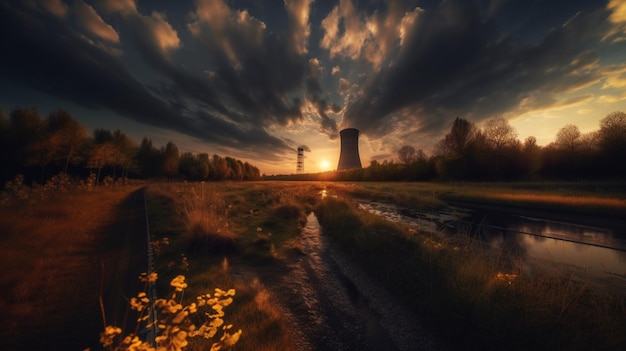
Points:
[527,240]
[592,249]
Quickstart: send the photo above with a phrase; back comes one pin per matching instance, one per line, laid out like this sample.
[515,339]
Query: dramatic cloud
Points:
[354,34]
[123,7]
[55,7]
[299,19]
[75,70]
[260,78]
[314,90]
[457,61]
[90,20]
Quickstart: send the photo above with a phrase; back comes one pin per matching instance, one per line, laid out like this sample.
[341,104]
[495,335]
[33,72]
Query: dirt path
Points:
[333,305]
[53,258]
[126,260]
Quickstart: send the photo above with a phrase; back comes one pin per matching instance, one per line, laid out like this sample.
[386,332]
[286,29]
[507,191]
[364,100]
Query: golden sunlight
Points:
[325,165]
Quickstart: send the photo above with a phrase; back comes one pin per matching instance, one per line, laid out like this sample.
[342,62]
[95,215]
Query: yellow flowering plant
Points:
[172,320]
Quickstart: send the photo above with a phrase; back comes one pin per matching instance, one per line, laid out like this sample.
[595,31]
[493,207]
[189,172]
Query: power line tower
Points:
[300,166]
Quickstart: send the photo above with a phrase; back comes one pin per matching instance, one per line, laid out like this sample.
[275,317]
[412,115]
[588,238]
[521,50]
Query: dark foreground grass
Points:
[467,300]
[52,258]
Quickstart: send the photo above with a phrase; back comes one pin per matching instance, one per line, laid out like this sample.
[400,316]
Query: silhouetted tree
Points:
[532,156]
[568,139]
[407,154]
[5,156]
[251,172]
[220,167]
[612,141]
[69,136]
[27,131]
[457,142]
[147,158]
[203,165]
[124,150]
[456,151]
[499,133]
[194,167]
[101,136]
[101,155]
[169,159]
[500,138]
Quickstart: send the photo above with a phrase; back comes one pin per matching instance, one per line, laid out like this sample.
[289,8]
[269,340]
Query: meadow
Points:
[236,235]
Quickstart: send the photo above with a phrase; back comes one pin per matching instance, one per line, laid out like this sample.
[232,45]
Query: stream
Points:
[594,252]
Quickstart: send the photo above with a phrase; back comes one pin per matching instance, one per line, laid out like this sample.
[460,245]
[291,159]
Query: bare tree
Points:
[612,134]
[568,139]
[530,144]
[499,133]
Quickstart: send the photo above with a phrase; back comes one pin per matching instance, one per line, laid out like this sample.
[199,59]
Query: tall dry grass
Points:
[261,218]
[468,297]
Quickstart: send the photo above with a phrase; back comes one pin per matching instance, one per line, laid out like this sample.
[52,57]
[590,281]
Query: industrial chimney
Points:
[349,157]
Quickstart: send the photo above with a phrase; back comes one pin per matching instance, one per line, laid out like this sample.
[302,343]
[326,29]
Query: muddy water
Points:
[338,308]
[596,252]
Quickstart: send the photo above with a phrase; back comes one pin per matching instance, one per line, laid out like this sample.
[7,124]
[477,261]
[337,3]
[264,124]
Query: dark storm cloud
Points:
[456,60]
[313,87]
[256,70]
[46,53]
[49,55]
[142,29]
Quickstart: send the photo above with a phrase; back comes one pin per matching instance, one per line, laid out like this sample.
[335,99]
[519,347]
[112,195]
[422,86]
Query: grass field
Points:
[233,235]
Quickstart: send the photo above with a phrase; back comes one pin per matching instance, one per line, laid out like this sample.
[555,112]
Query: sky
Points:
[257,79]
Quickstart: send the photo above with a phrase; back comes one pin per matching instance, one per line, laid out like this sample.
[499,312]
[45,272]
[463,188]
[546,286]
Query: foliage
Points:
[41,147]
[174,321]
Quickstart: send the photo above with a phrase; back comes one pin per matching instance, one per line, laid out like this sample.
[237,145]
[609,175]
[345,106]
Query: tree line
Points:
[494,153]
[39,148]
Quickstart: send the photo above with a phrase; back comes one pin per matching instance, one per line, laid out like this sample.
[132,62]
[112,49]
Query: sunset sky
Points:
[256,79]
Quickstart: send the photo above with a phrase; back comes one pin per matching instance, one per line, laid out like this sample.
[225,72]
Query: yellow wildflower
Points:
[179,283]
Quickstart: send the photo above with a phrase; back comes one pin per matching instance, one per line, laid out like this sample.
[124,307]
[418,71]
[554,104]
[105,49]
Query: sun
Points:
[325,165]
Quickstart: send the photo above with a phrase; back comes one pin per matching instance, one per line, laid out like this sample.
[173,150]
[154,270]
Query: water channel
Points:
[596,252]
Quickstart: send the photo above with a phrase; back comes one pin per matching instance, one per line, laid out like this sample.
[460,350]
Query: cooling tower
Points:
[349,157]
